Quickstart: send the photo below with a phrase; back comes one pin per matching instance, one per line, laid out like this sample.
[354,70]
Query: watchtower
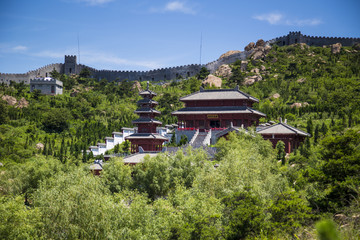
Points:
[70,64]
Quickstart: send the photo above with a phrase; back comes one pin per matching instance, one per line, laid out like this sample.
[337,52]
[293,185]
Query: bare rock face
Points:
[252,79]
[9,99]
[299,105]
[39,146]
[23,103]
[137,86]
[260,43]
[74,92]
[258,54]
[250,46]
[224,71]
[255,70]
[243,65]
[301,80]
[229,53]
[335,48]
[356,46]
[303,46]
[275,96]
[212,81]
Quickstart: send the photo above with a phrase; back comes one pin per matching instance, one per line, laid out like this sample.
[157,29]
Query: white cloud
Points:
[95,2]
[19,48]
[280,19]
[175,6]
[272,18]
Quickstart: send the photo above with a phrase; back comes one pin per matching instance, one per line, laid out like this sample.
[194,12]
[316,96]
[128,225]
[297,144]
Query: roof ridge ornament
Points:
[236,88]
[147,87]
[201,89]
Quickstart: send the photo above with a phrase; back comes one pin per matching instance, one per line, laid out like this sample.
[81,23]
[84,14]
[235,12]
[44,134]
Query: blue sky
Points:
[149,34]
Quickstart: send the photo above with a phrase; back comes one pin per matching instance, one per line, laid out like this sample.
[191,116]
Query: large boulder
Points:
[137,86]
[260,43]
[250,46]
[22,103]
[252,79]
[212,81]
[229,53]
[9,99]
[335,48]
[243,66]
[224,71]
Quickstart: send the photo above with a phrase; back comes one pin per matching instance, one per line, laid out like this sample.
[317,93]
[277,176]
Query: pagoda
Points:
[146,138]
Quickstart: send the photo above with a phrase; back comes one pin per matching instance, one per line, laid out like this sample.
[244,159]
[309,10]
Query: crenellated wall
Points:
[71,67]
[297,37]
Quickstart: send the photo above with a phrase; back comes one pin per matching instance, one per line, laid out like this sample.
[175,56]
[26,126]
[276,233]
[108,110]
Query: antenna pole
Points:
[78,47]
[200,46]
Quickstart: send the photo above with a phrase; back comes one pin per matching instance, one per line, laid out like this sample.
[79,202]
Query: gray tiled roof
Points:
[218,94]
[282,128]
[217,110]
[146,136]
[148,92]
[146,120]
[146,110]
[147,100]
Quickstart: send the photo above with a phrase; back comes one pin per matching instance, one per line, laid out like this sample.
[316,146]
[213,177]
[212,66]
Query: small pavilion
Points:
[292,137]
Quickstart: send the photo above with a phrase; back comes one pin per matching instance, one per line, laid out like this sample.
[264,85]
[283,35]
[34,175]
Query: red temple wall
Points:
[291,141]
[203,120]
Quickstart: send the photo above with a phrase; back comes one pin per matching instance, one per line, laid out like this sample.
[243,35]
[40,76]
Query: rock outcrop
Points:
[224,71]
[9,99]
[252,79]
[335,48]
[243,66]
[250,46]
[23,103]
[137,86]
[229,53]
[212,81]
[260,43]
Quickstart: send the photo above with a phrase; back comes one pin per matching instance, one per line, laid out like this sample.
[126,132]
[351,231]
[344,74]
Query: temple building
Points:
[146,138]
[218,109]
[292,137]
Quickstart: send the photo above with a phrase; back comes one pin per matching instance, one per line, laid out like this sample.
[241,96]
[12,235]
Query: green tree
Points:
[55,74]
[56,120]
[117,175]
[204,72]
[280,148]
[4,117]
[85,73]
[244,216]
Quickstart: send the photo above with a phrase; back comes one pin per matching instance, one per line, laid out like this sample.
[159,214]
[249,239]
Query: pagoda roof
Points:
[146,120]
[282,128]
[147,110]
[147,100]
[146,136]
[219,94]
[148,92]
[217,110]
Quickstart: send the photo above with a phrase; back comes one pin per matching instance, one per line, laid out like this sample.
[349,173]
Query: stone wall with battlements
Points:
[70,65]
[298,37]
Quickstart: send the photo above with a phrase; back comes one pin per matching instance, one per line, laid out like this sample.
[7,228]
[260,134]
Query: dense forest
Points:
[256,192]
